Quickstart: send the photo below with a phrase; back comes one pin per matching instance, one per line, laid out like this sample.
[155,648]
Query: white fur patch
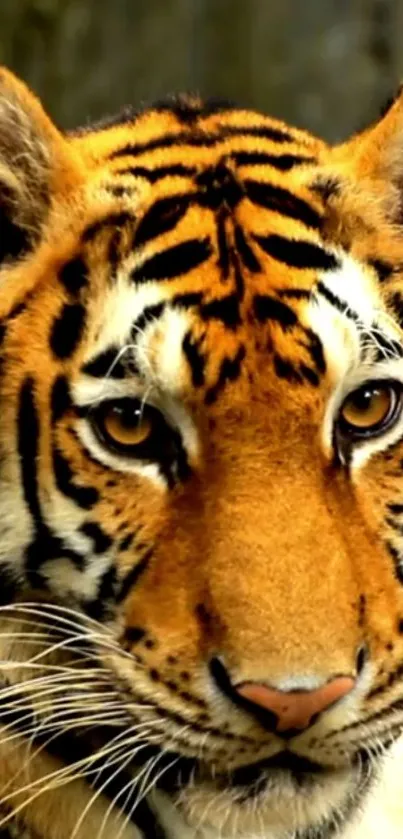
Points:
[157,354]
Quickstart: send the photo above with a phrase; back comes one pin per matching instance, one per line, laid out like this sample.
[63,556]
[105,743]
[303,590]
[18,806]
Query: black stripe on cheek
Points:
[268,308]
[28,446]
[101,607]
[282,201]
[101,541]
[74,275]
[132,577]
[174,262]
[108,364]
[297,253]
[67,330]
[85,497]
[60,400]
[195,358]
[162,216]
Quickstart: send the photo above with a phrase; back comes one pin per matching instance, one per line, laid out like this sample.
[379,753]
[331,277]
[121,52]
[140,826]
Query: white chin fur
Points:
[203,812]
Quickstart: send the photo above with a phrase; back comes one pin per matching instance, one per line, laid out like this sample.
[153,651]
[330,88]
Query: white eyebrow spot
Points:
[159,352]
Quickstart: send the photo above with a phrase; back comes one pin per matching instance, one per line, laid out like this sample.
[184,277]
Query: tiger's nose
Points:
[294,710]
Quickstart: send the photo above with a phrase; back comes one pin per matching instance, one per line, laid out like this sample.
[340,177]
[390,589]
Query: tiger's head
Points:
[201,444]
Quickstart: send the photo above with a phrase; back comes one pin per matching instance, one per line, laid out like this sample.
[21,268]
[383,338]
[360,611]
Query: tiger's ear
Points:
[377,152]
[29,147]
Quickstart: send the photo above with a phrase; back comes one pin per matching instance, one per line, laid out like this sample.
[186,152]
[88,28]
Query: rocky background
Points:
[327,65]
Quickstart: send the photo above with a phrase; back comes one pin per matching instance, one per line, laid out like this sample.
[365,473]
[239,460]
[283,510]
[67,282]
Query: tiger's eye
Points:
[369,407]
[126,427]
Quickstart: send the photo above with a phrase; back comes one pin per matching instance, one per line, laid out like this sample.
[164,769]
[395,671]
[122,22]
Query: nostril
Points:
[362,658]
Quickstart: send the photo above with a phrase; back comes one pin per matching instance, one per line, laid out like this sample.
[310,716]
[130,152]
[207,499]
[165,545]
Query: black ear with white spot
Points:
[29,147]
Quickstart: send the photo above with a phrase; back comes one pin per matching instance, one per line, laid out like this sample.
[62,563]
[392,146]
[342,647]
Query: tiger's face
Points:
[201,425]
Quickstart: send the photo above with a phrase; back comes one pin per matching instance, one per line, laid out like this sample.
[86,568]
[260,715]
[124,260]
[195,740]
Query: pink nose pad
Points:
[296,709]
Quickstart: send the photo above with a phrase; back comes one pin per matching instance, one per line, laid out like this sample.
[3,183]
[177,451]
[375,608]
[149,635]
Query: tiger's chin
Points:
[276,803]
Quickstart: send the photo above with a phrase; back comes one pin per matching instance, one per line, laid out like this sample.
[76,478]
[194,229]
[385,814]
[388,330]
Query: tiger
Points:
[201,475]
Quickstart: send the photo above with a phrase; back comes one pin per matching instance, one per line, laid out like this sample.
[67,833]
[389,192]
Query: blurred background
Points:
[327,65]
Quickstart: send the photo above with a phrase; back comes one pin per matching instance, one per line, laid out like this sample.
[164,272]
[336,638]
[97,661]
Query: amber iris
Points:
[369,407]
[126,426]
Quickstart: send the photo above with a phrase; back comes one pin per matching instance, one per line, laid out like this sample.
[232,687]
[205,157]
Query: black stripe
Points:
[245,252]
[282,201]
[218,187]
[297,253]
[162,216]
[195,358]
[230,370]
[225,309]
[44,545]
[222,243]
[60,400]
[384,346]
[107,363]
[111,220]
[173,262]
[148,315]
[286,370]
[294,293]
[315,349]
[266,308]
[335,301]
[28,448]
[186,138]
[85,497]
[74,275]
[284,162]
[152,313]
[383,269]
[101,606]
[67,330]
[395,508]
[158,172]
[187,300]
[397,561]
[264,132]
[101,540]
[132,576]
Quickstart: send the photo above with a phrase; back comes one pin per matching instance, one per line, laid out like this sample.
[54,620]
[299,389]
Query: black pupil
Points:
[362,399]
[128,415]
